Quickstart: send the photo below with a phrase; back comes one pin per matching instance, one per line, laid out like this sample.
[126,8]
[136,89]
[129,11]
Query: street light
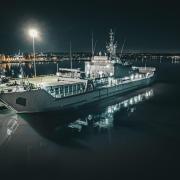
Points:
[33,33]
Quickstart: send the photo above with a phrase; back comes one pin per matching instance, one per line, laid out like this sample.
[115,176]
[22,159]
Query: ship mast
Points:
[70,54]
[122,49]
[92,46]
[111,47]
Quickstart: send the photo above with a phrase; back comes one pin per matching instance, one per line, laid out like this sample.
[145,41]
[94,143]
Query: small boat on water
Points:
[104,76]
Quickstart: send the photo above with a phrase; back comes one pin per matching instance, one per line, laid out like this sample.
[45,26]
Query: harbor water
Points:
[133,136]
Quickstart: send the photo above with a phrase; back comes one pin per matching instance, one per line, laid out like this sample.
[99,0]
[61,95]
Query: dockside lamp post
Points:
[34,33]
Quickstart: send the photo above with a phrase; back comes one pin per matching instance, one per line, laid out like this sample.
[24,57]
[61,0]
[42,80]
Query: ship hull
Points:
[36,101]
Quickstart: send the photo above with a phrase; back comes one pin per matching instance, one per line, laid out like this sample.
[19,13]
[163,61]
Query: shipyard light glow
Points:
[33,33]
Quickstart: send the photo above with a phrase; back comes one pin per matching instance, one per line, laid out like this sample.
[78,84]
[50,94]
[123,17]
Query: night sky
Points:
[147,26]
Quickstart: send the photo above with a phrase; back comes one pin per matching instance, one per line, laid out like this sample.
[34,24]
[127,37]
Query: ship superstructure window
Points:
[65,90]
[52,90]
[61,90]
[74,89]
[78,87]
[70,89]
[56,90]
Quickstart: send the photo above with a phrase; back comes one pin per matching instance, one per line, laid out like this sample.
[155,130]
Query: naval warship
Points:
[104,76]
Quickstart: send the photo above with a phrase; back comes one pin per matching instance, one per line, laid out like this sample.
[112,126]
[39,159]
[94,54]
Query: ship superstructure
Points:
[104,76]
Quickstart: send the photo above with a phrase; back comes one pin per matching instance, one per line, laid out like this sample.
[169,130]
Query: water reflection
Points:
[105,119]
[14,69]
[67,128]
[12,126]
[8,129]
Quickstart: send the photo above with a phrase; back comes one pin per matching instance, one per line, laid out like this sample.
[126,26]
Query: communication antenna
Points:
[122,48]
[93,44]
[70,54]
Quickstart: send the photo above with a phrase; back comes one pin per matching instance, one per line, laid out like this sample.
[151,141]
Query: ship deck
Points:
[53,80]
[39,81]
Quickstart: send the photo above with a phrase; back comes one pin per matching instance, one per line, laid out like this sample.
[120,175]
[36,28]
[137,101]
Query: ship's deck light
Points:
[20,75]
[132,77]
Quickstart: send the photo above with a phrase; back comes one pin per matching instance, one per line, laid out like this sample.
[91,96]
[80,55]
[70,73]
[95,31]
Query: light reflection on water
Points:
[66,128]
[105,119]
[8,129]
